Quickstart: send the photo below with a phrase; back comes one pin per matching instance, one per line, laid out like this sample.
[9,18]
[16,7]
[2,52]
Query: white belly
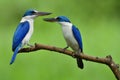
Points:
[29,34]
[68,35]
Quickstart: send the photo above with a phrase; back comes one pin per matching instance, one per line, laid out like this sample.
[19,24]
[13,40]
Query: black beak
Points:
[50,19]
[42,13]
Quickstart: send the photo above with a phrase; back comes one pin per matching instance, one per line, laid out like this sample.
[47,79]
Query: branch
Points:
[107,60]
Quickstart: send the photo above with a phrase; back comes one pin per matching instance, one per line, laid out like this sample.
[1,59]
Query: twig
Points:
[107,60]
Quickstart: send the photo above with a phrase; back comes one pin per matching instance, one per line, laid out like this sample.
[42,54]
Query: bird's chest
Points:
[68,35]
[29,34]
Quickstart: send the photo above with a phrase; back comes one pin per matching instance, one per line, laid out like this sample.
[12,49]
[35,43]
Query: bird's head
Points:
[34,14]
[59,19]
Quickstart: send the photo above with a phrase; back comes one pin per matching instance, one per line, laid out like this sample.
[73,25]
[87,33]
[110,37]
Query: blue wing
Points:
[77,36]
[20,33]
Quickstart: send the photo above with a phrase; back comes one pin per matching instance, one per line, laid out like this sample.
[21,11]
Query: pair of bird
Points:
[24,32]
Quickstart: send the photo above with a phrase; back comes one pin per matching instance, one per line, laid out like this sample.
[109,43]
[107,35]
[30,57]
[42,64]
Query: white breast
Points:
[29,34]
[68,35]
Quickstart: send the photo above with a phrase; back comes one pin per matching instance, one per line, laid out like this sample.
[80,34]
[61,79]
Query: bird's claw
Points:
[65,48]
[30,45]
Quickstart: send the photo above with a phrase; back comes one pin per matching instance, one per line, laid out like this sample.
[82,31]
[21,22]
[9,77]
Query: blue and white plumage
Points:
[24,31]
[71,34]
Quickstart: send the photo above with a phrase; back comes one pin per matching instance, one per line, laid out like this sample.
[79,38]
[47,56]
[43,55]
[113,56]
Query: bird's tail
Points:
[80,63]
[14,55]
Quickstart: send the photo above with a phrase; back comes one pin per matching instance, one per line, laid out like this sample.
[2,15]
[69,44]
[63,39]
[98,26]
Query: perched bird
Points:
[71,34]
[24,31]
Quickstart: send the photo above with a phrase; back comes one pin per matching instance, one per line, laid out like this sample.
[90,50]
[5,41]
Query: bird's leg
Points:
[30,45]
[65,48]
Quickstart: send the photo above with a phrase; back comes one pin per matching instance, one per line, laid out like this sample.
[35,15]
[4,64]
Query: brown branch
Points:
[107,60]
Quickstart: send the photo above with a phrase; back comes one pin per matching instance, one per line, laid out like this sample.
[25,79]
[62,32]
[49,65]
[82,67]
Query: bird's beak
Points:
[50,19]
[42,13]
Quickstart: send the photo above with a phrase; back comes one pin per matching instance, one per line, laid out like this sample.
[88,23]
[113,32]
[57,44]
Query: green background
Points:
[98,21]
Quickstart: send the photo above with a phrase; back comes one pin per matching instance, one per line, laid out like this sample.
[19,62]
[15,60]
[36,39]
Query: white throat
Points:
[67,24]
[27,18]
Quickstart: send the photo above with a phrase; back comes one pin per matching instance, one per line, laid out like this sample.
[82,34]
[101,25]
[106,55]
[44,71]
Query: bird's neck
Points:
[65,24]
[31,20]
[66,28]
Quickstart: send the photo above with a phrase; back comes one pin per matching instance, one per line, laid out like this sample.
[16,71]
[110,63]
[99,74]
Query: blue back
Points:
[20,33]
[77,36]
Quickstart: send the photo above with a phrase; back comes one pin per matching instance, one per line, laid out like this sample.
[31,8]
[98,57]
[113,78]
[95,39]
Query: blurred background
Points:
[98,21]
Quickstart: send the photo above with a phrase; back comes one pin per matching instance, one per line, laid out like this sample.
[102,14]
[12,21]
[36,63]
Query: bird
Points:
[72,36]
[24,31]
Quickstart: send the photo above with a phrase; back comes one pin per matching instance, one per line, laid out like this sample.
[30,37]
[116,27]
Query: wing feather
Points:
[20,33]
[77,36]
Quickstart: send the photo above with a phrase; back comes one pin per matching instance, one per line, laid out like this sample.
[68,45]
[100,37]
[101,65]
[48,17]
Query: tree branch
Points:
[107,60]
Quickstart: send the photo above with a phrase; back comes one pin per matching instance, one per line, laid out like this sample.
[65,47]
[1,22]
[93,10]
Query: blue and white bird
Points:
[71,34]
[24,31]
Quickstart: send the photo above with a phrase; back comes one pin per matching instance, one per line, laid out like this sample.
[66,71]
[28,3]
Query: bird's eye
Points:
[58,18]
[32,12]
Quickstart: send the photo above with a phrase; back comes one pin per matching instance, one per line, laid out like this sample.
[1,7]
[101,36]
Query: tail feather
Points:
[14,55]
[80,63]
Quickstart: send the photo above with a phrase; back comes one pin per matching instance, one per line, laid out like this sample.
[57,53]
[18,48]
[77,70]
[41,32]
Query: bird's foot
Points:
[30,45]
[65,48]
[73,54]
